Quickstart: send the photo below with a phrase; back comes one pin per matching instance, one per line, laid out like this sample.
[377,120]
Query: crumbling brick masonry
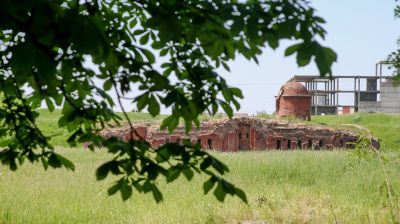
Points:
[245,133]
[293,100]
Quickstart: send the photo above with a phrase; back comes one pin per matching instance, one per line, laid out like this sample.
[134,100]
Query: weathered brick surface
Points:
[294,100]
[245,133]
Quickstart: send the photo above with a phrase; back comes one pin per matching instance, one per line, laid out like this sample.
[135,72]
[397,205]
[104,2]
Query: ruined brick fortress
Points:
[251,133]
[245,133]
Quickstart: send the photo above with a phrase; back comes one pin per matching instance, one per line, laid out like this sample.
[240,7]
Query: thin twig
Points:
[334,215]
[123,109]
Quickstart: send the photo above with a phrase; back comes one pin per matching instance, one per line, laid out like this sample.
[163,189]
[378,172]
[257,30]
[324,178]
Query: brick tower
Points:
[293,100]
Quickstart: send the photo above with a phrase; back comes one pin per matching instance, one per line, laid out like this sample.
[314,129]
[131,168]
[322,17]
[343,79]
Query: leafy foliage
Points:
[44,46]
[363,150]
[394,57]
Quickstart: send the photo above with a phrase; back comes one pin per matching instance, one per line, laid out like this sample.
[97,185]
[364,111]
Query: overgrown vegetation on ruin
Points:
[389,141]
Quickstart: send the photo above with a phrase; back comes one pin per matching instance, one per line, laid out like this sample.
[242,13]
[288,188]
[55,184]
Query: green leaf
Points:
[227,108]
[208,185]
[292,49]
[44,162]
[304,54]
[324,59]
[107,85]
[236,92]
[173,174]
[150,56]
[219,192]
[138,32]
[171,122]
[228,187]
[226,67]
[220,167]
[113,189]
[142,101]
[50,104]
[188,173]
[227,94]
[207,162]
[145,39]
[23,58]
[103,170]
[147,186]
[54,161]
[157,194]
[188,126]
[241,195]
[164,52]
[154,106]
[65,162]
[133,23]
[126,190]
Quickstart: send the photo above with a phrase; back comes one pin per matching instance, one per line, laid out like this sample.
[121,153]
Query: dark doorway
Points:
[289,144]
[310,144]
[209,142]
[321,144]
[244,137]
[299,143]
[278,144]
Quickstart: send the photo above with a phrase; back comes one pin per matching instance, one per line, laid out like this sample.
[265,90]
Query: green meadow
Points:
[281,186]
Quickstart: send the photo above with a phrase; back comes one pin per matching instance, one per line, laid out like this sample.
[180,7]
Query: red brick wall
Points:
[295,106]
[261,135]
[138,133]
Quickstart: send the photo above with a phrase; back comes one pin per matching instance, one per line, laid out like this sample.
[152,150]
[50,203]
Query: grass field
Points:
[282,187]
[386,127]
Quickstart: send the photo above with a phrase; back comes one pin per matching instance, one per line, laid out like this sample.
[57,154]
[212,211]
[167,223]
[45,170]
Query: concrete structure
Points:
[244,133]
[293,100]
[379,93]
[389,99]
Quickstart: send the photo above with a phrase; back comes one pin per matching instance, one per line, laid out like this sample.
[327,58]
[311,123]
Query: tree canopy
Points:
[394,57]
[44,44]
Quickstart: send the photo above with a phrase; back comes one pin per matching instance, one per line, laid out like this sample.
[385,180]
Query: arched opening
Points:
[310,144]
[278,144]
[299,143]
[289,144]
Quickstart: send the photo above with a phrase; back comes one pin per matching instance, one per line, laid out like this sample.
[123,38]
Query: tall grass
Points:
[384,126]
[282,187]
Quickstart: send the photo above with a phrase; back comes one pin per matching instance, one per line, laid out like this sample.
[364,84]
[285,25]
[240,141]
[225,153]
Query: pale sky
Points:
[362,32]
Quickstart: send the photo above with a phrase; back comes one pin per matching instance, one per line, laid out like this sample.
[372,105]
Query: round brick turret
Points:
[294,100]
